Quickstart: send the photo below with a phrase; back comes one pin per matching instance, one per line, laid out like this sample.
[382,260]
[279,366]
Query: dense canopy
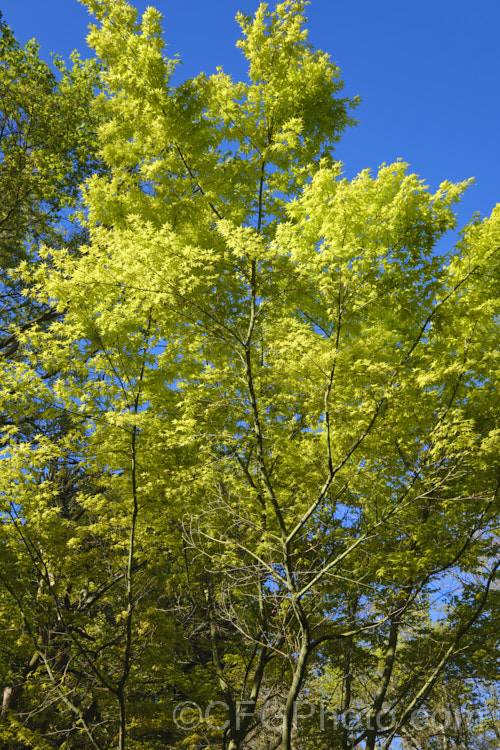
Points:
[250,415]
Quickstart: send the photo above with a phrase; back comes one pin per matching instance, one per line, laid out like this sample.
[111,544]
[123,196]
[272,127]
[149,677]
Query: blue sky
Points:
[428,73]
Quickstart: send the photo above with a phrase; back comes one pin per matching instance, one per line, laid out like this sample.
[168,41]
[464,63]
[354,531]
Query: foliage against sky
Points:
[259,424]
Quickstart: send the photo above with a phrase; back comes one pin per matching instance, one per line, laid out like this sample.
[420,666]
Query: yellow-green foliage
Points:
[269,411]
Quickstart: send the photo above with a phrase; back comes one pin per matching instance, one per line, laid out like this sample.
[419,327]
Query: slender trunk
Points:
[289,713]
[129,572]
[290,705]
[374,715]
[122,739]
[346,703]
[244,718]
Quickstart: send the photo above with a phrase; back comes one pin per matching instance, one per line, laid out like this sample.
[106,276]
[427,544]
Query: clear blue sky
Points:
[428,73]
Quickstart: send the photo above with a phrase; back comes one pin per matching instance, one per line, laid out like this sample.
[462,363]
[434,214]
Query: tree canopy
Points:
[251,441]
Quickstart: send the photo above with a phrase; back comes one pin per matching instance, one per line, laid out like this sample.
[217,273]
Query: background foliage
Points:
[250,417]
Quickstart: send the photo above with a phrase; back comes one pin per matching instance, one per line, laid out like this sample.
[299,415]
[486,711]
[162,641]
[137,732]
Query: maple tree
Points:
[280,408]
